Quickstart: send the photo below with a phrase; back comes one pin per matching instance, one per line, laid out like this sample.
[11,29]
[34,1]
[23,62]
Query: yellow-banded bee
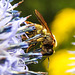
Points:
[47,39]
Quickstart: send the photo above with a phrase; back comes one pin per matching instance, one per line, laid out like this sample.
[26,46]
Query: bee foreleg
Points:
[48,62]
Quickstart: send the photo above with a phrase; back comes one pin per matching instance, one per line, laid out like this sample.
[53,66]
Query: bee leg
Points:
[43,59]
[48,62]
[34,47]
[29,48]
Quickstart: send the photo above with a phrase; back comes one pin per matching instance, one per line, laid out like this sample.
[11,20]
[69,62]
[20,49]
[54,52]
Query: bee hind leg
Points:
[30,47]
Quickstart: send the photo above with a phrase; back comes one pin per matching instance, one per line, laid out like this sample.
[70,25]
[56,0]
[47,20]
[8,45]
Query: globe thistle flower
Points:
[13,59]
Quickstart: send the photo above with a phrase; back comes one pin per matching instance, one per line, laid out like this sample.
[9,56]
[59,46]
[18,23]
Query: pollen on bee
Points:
[40,39]
[38,27]
[44,31]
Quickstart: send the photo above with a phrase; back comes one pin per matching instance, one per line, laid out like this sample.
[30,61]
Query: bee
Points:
[48,41]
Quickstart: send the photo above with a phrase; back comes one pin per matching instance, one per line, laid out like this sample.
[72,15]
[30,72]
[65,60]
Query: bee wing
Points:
[42,21]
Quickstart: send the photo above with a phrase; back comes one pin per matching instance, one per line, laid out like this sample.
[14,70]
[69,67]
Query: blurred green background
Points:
[48,8]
